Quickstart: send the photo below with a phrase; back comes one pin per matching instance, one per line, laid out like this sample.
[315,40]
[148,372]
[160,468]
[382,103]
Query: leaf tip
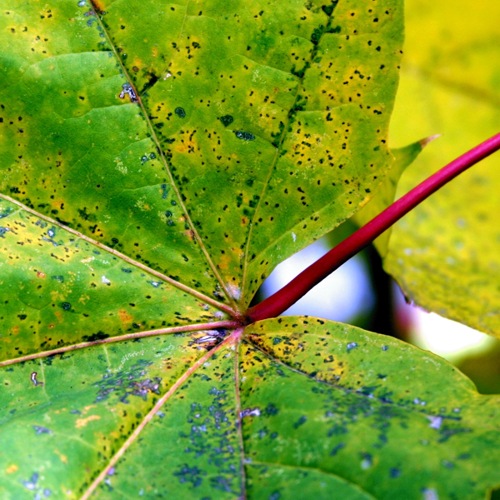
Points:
[427,140]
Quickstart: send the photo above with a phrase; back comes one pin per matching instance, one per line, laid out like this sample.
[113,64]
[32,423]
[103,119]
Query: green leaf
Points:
[450,87]
[356,414]
[81,409]
[60,289]
[326,404]
[248,114]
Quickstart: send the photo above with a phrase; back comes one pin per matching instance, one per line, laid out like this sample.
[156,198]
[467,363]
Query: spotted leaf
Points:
[158,160]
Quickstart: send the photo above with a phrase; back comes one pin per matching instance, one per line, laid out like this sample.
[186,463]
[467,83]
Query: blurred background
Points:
[449,85]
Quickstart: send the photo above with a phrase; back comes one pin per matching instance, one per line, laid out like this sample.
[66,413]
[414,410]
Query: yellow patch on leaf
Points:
[87,408]
[98,5]
[186,146]
[125,317]
[11,469]
[62,456]
[82,422]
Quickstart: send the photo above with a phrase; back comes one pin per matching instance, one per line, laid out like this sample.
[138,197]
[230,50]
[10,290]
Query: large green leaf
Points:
[363,414]
[445,253]
[157,161]
[272,118]
[299,403]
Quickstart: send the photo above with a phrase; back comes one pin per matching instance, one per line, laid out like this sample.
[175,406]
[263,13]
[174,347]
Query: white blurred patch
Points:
[339,297]
[445,337]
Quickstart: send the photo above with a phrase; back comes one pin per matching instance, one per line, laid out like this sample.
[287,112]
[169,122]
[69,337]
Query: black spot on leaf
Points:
[95,336]
[180,112]
[226,120]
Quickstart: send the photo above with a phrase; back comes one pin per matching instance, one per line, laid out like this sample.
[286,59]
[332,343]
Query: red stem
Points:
[310,277]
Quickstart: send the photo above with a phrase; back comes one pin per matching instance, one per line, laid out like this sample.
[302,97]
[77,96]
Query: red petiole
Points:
[310,277]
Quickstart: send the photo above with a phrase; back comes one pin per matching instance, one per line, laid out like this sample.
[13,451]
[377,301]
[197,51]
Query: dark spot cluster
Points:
[207,436]
[94,336]
[244,136]
[129,381]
